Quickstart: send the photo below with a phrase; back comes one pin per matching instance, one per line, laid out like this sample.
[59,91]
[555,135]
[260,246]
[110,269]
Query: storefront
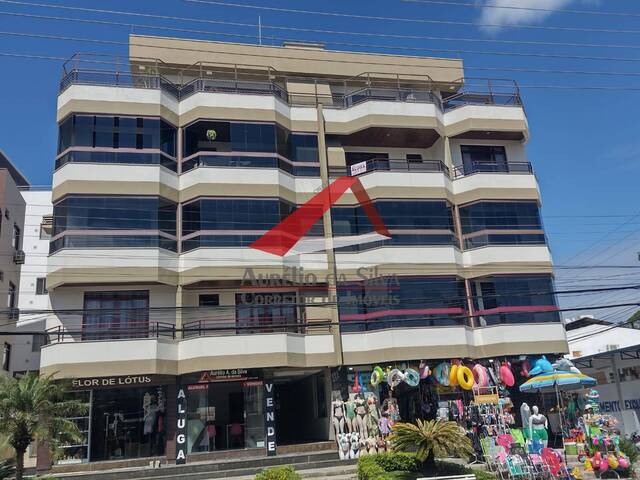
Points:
[126,419]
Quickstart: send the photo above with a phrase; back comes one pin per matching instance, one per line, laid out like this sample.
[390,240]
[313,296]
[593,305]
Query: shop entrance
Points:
[301,407]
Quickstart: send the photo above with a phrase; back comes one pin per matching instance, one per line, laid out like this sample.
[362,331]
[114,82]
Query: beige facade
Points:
[394,106]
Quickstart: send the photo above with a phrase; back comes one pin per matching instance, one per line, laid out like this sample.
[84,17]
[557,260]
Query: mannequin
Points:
[351,415]
[337,413]
[538,425]
[361,413]
[525,413]
[373,416]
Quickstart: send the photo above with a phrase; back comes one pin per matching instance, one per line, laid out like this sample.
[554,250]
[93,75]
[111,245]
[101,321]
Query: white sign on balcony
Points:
[358,168]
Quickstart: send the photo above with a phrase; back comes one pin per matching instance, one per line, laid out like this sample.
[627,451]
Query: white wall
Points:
[599,338]
[38,204]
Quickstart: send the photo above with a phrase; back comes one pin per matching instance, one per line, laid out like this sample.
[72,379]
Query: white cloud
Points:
[516,16]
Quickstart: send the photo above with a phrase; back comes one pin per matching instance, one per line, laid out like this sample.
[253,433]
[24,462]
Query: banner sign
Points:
[358,168]
[181,426]
[270,418]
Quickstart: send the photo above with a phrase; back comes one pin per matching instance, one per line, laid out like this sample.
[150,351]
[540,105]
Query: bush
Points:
[375,467]
[284,472]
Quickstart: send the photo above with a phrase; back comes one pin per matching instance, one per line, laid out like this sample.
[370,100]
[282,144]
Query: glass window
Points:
[117,314]
[128,423]
[500,215]
[6,357]
[116,132]
[266,312]
[17,237]
[206,136]
[41,286]
[114,213]
[253,137]
[11,296]
[209,300]
[37,342]
[394,302]
[484,158]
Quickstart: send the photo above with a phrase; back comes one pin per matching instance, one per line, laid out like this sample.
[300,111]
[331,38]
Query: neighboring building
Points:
[166,174]
[611,354]
[11,255]
[589,335]
[34,298]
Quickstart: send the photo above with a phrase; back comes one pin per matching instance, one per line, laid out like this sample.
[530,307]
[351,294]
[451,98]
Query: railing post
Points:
[490,91]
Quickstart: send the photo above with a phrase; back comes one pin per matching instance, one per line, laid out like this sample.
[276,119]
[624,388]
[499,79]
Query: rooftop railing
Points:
[182,82]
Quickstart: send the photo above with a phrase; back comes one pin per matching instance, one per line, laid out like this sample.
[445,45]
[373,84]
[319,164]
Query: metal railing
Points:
[392,165]
[222,327]
[181,82]
[483,167]
[130,331]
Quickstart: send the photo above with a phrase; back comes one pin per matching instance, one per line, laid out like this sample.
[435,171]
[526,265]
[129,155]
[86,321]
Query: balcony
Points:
[292,90]
[484,167]
[391,165]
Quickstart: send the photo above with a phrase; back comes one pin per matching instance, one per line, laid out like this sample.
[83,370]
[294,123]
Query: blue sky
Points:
[583,145]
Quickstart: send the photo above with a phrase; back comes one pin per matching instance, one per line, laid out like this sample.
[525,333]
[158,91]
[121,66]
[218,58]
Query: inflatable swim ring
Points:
[377,376]
[453,373]
[465,377]
[412,377]
[424,370]
[395,378]
[480,375]
[506,375]
[441,372]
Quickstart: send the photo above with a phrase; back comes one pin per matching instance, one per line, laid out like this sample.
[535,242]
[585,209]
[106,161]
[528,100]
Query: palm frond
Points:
[431,439]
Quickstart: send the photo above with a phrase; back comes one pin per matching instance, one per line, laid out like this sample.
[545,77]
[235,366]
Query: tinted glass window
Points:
[500,215]
[207,136]
[513,291]
[114,213]
[116,132]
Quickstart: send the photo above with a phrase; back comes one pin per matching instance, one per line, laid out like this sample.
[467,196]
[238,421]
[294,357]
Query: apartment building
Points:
[33,302]
[175,321]
[11,254]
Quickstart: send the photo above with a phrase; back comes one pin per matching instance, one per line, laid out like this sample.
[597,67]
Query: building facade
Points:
[169,171]
[11,254]
[33,302]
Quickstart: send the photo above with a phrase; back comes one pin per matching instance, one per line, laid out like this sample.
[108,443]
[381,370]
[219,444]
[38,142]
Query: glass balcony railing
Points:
[492,167]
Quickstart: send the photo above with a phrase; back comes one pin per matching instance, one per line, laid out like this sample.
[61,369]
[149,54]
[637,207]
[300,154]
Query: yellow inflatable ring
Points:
[376,376]
[465,377]
[453,374]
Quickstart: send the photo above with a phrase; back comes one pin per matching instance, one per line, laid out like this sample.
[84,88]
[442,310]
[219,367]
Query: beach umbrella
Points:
[557,381]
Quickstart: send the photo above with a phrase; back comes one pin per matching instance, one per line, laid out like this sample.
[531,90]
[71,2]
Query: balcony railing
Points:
[129,331]
[392,165]
[483,167]
[181,82]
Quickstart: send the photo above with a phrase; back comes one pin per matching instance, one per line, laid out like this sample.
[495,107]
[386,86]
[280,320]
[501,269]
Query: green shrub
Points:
[629,449]
[375,467]
[483,474]
[285,472]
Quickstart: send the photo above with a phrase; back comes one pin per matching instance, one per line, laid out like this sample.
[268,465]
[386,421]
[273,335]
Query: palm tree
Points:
[431,439]
[37,408]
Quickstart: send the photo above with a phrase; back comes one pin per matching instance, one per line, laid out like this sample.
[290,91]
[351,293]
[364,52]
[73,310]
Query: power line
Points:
[530,9]
[410,20]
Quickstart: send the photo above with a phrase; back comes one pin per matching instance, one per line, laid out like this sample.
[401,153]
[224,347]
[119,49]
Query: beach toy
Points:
[465,377]
[506,375]
[441,372]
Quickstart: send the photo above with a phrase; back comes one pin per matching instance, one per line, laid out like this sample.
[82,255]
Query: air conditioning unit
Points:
[13,314]
[18,257]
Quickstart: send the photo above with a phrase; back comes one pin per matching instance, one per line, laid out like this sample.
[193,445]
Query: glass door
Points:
[253,413]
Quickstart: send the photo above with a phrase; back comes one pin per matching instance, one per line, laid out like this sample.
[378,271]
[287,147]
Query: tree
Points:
[431,439]
[37,408]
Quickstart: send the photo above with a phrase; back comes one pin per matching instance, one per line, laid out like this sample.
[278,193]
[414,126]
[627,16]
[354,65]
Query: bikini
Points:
[351,410]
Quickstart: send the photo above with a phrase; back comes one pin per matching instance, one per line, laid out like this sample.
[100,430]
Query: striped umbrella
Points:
[557,380]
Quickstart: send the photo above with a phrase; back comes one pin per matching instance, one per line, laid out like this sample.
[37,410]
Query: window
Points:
[209,300]
[6,213]
[41,286]
[154,215]
[514,299]
[45,227]
[497,223]
[107,132]
[483,158]
[209,215]
[11,296]
[388,302]
[17,233]
[1,276]
[265,312]
[118,314]
[6,357]
[37,341]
